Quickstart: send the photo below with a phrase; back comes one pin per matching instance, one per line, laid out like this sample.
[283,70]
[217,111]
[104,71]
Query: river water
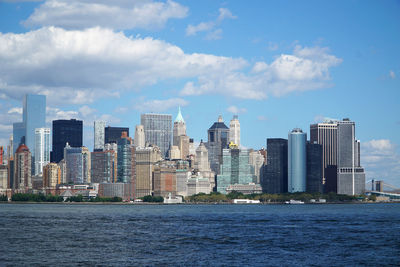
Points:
[218,235]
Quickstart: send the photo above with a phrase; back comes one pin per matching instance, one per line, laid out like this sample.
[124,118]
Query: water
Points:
[227,235]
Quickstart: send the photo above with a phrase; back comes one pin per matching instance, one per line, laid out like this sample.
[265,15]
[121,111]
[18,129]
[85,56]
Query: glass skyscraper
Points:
[18,135]
[65,131]
[158,130]
[34,116]
[112,134]
[297,161]
[42,149]
[275,173]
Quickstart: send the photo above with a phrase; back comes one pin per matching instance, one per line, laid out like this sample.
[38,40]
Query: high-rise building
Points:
[65,131]
[51,175]
[22,169]
[140,139]
[179,128]
[10,148]
[256,161]
[314,168]
[158,131]
[42,149]
[164,178]
[218,138]
[124,158]
[275,176]
[77,161]
[235,169]
[104,166]
[99,138]
[297,161]
[234,131]
[3,176]
[1,155]
[34,116]
[18,135]
[112,134]
[202,164]
[183,173]
[350,175]
[146,157]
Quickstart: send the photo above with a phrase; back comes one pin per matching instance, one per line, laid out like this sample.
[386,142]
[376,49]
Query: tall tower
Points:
[42,149]
[158,130]
[275,177]
[65,131]
[297,161]
[22,168]
[179,128]
[140,139]
[234,131]
[18,135]
[34,116]
[99,139]
[218,138]
[1,155]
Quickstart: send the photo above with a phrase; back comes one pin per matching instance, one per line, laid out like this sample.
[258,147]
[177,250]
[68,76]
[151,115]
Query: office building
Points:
[275,176]
[197,184]
[140,139]
[51,175]
[202,165]
[234,131]
[297,161]
[18,135]
[104,166]
[10,148]
[183,173]
[22,169]
[125,159]
[34,116]
[42,149]
[158,131]
[218,138]
[77,161]
[256,161]
[314,168]
[3,176]
[65,131]
[99,135]
[1,155]
[112,134]
[146,157]
[235,169]
[122,190]
[164,175]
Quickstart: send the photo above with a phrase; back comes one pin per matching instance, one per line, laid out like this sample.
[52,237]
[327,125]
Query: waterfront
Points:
[260,235]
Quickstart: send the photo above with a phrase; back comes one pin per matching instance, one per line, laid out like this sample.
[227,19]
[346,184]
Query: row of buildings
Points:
[162,160]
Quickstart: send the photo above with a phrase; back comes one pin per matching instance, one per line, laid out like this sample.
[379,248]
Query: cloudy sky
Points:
[277,64]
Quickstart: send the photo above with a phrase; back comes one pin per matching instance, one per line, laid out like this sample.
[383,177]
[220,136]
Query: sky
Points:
[278,65]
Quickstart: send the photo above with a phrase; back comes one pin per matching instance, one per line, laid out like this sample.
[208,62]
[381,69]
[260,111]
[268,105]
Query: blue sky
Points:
[277,64]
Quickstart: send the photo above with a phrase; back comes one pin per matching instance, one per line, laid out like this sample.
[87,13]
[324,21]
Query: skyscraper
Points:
[297,161]
[124,157]
[234,131]
[18,135]
[104,166]
[146,157]
[1,155]
[218,137]
[99,129]
[77,161]
[158,131]
[65,131]
[22,168]
[112,134]
[34,116]
[314,168]
[275,176]
[202,165]
[179,128]
[42,149]
[139,140]
[51,175]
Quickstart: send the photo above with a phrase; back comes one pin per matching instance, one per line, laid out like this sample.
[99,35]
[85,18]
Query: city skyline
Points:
[278,71]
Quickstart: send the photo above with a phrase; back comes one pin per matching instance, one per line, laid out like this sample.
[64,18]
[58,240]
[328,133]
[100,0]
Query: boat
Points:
[293,201]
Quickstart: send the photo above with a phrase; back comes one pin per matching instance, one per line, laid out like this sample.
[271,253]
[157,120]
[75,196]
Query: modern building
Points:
[99,135]
[77,161]
[33,117]
[65,131]
[218,138]
[125,159]
[42,149]
[51,175]
[22,169]
[234,131]
[18,135]
[164,176]
[146,158]
[158,131]
[297,161]
[275,176]
[140,139]
[314,168]
[235,169]
[104,166]
[112,134]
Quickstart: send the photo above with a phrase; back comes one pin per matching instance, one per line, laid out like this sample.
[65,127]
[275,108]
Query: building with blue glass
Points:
[297,159]
[65,131]
[34,116]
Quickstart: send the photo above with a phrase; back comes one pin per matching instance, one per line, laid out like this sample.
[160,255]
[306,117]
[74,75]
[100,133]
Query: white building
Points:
[99,127]
[42,149]
[234,131]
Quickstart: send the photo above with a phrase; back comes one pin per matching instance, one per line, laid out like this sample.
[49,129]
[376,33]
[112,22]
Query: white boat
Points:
[292,201]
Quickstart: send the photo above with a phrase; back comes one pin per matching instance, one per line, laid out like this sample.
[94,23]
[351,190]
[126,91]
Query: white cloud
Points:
[236,110]
[392,74]
[15,110]
[160,105]
[86,110]
[116,14]
[209,26]
[381,160]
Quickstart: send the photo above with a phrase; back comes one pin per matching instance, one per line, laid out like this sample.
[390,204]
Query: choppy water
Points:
[230,235]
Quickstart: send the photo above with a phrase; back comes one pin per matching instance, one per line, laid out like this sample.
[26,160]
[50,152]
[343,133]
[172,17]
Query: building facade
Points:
[112,134]
[22,169]
[218,139]
[77,162]
[275,173]
[158,131]
[42,149]
[140,139]
[297,161]
[314,168]
[145,159]
[104,166]
[164,179]
[51,175]
[234,131]
[99,135]
[65,131]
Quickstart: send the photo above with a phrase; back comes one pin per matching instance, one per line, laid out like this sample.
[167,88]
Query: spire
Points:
[179,117]
[220,119]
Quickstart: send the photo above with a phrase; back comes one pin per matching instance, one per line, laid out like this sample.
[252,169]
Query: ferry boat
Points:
[292,201]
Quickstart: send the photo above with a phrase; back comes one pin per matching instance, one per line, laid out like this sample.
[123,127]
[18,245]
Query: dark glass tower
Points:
[218,138]
[65,131]
[112,134]
[314,168]
[275,177]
